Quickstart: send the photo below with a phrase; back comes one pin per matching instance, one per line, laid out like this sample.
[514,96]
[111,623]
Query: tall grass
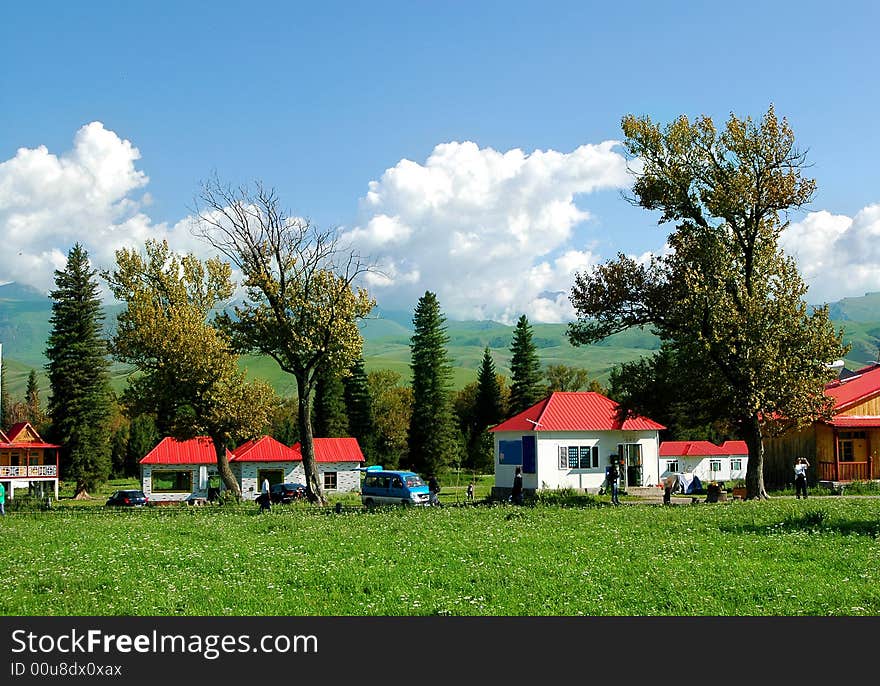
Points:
[740,558]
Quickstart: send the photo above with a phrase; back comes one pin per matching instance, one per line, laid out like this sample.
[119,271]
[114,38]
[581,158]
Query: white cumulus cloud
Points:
[88,195]
[490,232]
[838,256]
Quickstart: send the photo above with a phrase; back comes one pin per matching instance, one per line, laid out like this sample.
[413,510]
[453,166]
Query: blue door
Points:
[529,454]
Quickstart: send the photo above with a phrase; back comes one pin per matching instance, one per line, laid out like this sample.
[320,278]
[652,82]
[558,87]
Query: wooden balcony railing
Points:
[846,471]
[23,472]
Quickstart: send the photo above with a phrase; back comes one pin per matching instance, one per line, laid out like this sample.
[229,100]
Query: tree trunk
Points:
[755,471]
[314,488]
[223,467]
[81,493]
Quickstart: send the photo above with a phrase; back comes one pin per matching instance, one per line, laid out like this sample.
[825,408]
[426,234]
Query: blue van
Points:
[392,487]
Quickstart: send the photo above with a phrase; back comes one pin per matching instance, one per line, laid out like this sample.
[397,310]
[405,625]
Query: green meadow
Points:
[568,557]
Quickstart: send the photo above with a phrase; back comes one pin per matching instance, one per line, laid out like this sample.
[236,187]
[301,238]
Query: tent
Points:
[687,483]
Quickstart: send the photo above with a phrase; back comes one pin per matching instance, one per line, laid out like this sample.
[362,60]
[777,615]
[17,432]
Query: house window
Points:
[671,465]
[510,452]
[329,481]
[736,463]
[714,465]
[573,457]
[563,457]
[172,482]
[846,444]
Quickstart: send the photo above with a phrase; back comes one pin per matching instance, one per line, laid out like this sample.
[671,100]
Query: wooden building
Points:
[27,461]
[846,448]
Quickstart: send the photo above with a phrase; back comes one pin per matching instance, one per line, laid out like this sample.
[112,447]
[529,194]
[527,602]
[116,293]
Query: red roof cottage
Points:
[184,470]
[567,439]
[707,461]
[845,448]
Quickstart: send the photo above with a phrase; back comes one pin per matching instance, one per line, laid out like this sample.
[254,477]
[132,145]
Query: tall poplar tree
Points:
[80,404]
[526,386]
[431,438]
[726,301]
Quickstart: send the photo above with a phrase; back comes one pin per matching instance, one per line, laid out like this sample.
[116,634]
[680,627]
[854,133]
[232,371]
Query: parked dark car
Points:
[129,498]
[286,493]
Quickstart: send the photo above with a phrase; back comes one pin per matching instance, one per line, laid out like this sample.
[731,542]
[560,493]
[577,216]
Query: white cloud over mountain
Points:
[838,256]
[91,194]
[490,232]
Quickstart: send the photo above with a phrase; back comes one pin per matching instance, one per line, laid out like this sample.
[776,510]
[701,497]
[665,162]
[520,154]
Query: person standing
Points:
[2,499]
[516,493]
[612,474]
[470,491]
[265,499]
[433,491]
[800,477]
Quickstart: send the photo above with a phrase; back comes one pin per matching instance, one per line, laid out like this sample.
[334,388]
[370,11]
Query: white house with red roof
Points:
[27,461]
[567,439]
[266,458]
[704,459]
[842,449]
[178,471]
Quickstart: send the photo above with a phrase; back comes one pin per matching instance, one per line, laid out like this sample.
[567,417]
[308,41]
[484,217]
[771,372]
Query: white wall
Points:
[550,476]
[700,467]
[147,482]
[347,479]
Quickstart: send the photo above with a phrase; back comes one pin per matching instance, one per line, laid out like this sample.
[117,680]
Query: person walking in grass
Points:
[612,474]
[470,491]
[2,499]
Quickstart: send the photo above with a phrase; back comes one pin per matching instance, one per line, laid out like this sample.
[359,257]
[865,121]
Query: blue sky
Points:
[323,101]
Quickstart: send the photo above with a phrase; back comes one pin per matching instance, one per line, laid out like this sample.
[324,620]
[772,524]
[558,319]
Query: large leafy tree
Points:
[80,405]
[727,302]
[431,438]
[188,376]
[392,409]
[301,304]
[525,369]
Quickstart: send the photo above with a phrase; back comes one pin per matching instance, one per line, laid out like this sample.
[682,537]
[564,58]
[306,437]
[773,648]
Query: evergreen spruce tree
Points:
[119,451]
[143,436]
[359,408]
[487,411]
[80,404]
[525,369]
[432,436]
[32,399]
[328,405]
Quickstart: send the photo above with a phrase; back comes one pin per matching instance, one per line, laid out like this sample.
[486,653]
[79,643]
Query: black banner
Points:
[171,650]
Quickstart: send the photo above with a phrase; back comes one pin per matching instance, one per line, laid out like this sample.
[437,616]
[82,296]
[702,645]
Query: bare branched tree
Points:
[302,300]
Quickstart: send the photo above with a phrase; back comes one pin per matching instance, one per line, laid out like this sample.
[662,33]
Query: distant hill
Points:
[25,313]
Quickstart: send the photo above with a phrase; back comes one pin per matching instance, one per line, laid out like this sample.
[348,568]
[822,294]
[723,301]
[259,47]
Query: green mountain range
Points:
[25,313]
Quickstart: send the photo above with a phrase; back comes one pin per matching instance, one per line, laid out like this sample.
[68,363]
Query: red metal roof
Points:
[16,430]
[690,449]
[334,450]
[735,447]
[199,450]
[854,422]
[264,449]
[856,389]
[575,411]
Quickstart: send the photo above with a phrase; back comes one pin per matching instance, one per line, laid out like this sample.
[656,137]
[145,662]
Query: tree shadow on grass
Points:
[813,521]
